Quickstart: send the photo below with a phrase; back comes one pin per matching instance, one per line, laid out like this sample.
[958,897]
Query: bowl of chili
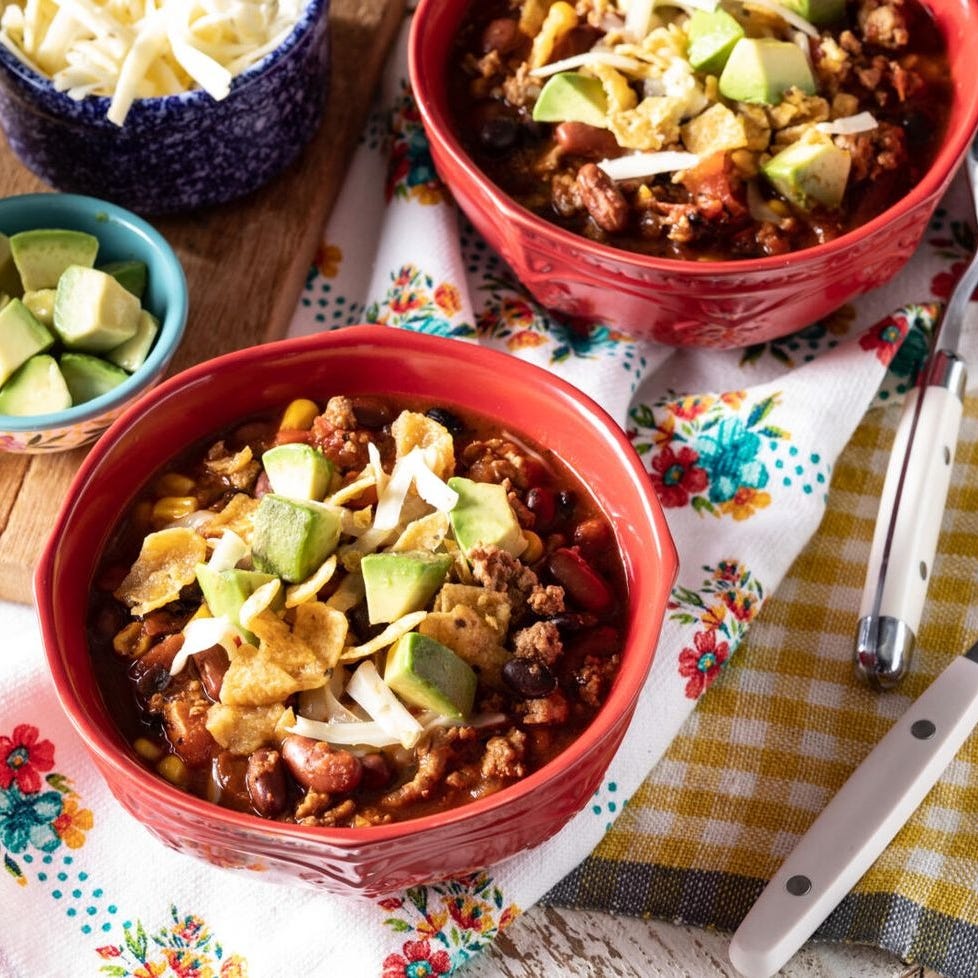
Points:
[268,784]
[683,231]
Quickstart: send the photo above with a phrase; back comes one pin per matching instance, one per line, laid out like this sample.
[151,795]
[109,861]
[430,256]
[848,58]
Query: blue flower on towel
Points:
[27,820]
[729,452]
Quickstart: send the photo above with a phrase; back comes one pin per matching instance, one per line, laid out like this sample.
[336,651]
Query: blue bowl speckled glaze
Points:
[121,235]
[182,151]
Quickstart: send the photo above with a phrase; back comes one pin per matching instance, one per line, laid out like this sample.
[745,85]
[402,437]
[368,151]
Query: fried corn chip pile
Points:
[286,640]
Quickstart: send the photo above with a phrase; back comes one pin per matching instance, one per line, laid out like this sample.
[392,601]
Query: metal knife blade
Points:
[915,493]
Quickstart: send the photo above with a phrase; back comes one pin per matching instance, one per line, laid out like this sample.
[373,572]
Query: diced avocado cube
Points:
[426,674]
[761,69]
[297,471]
[399,583]
[817,11]
[483,517]
[292,537]
[89,377]
[21,337]
[36,388]
[41,303]
[810,171]
[712,35]
[10,283]
[227,590]
[92,311]
[572,97]
[41,256]
[130,274]
[132,354]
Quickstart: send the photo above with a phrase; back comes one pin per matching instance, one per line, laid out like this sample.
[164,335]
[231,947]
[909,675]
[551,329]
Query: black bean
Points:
[451,421]
[919,129]
[573,621]
[499,134]
[529,678]
[151,679]
[566,501]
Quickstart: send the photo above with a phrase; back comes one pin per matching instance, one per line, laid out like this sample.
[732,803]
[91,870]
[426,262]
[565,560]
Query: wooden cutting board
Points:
[246,263]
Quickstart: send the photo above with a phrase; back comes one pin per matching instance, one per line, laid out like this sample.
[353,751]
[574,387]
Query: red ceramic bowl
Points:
[683,303]
[364,360]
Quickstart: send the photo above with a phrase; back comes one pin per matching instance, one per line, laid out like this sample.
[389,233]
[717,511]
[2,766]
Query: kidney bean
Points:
[371,412]
[543,504]
[580,139]
[211,665]
[580,581]
[266,784]
[376,771]
[316,765]
[262,485]
[601,642]
[593,536]
[502,34]
[604,201]
[576,41]
[529,678]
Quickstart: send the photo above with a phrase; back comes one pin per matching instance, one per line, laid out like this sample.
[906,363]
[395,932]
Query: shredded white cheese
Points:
[229,551]
[608,58]
[638,19]
[367,688]
[411,468]
[129,51]
[638,165]
[848,125]
[200,634]
[369,733]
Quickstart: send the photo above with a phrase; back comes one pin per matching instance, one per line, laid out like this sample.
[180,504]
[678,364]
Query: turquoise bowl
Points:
[122,235]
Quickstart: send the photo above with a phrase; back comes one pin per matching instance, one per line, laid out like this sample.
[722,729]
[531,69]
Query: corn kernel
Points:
[534,548]
[173,508]
[147,749]
[174,484]
[173,769]
[299,415]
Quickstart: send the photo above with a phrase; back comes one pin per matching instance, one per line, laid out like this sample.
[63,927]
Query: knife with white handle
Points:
[915,493]
[859,822]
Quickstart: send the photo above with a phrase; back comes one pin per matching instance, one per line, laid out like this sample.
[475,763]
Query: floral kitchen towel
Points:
[741,448]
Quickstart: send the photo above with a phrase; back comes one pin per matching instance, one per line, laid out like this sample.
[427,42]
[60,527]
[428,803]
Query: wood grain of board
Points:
[245,261]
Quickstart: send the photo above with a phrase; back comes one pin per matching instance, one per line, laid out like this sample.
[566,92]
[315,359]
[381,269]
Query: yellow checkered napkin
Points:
[786,725]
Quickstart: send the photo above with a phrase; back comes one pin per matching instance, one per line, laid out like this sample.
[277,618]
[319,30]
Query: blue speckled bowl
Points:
[179,152]
[121,236]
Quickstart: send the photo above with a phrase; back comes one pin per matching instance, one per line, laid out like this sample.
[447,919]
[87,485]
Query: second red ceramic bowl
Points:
[685,303]
[358,360]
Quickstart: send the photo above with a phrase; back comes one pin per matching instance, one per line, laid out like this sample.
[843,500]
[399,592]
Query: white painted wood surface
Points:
[551,943]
